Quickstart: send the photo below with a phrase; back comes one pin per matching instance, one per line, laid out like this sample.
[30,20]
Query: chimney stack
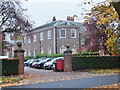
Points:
[54,19]
[69,18]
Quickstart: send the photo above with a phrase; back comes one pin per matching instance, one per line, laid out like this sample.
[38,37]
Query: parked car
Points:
[28,62]
[49,64]
[40,64]
[33,64]
[3,57]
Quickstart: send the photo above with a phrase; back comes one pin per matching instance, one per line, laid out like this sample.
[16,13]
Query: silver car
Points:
[49,65]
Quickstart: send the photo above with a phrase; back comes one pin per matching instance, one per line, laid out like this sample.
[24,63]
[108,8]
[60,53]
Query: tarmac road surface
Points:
[76,83]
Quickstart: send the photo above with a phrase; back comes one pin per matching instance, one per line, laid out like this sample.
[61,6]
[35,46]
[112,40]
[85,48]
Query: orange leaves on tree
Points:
[106,15]
[111,43]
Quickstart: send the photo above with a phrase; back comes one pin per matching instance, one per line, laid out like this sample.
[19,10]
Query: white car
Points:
[1,57]
[49,64]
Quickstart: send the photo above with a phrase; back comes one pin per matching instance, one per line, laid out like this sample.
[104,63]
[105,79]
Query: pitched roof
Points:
[59,23]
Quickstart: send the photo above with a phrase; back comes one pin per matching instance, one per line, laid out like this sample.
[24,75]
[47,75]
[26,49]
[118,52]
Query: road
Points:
[76,83]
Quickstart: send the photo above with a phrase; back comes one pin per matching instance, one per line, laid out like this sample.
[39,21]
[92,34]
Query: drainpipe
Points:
[56,40]
[79,40]
[40,46]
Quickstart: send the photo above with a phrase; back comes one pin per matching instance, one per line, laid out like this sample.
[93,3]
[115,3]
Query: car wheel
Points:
[51,67]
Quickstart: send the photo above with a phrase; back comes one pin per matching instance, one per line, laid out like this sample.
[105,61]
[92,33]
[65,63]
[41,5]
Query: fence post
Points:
[68,59]
[19,53]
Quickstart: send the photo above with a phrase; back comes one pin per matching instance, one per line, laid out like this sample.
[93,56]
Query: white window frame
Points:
[60,33]
[49,51]
[34,52]
[29,53]
[41,36]
[73,31]
[34,38]
[25,39]
[29,39]
[49,34]
[42,51]
[82,40]
[25,53]
[62,49]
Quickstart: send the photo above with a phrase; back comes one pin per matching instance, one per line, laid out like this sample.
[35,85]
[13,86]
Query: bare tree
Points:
[12,17]
[13,20]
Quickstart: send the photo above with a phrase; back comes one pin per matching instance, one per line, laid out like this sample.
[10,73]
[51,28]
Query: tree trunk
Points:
[116,5]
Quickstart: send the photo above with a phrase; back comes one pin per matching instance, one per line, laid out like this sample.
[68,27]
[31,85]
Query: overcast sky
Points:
[42,11]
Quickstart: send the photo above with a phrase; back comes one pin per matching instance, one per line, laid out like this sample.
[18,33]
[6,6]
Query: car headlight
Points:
[45,64]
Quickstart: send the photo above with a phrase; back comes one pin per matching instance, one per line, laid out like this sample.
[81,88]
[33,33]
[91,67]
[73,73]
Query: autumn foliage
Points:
[105,19]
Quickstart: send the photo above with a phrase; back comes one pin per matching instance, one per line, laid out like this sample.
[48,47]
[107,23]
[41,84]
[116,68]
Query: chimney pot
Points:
[54,19]
[69,18]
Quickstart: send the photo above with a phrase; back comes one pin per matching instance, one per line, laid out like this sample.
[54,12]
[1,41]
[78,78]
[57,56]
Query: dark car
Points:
[33,64]
[28,62]
[40,65]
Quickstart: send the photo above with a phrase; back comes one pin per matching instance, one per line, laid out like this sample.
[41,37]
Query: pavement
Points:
[90,82]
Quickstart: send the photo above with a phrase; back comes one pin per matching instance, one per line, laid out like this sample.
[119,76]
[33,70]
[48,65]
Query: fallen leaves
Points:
[33,76]
[110,86]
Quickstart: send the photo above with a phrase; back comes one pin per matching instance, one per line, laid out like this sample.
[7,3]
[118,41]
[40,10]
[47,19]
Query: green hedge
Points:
[40,55]
[28,57]
[98,62]
[9,66]
[43,55]
[86,54]
[56,55]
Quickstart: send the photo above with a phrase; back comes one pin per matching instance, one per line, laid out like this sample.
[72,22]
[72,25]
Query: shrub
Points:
[9,66]
[93,62]
[56,55]
[28,57]
[87,54]
[40,55]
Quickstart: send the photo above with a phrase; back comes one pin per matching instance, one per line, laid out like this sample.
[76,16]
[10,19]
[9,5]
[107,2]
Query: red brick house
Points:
[53,37]
[6,45]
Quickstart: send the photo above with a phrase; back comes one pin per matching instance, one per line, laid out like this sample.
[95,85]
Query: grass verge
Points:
[10,79]
[102,71]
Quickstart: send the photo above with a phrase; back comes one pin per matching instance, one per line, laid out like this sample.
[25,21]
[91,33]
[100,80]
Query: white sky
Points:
[42,11]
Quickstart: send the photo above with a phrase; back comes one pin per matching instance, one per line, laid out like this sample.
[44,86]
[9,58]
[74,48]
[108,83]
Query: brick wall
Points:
[48,46]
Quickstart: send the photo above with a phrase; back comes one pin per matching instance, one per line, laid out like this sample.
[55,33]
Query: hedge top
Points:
[8,58]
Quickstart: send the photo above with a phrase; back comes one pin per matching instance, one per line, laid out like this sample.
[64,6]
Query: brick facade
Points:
[6,45]
[55,44]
